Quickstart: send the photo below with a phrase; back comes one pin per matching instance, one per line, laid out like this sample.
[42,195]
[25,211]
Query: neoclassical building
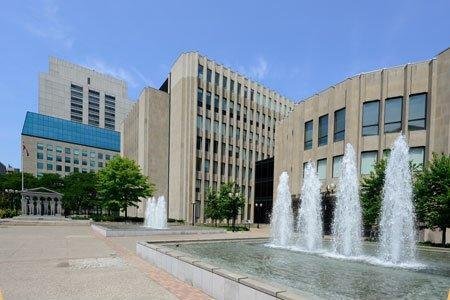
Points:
[41,202]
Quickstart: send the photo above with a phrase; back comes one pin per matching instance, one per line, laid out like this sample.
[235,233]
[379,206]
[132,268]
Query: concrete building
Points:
[368,111]
[145,139]
[76,93]
[220,123]
[54,145]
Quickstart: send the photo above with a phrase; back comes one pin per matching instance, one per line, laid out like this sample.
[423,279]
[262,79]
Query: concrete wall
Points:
[145,134]
[431,77]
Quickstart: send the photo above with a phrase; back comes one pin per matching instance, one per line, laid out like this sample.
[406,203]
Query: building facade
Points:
[145,139]
[220,123]
[54,145]
[368,111]
[76,93]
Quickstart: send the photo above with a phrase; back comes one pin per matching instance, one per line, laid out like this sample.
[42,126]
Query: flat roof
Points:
[57,129]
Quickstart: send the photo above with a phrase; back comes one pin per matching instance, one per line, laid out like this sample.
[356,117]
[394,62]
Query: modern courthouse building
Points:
[368,111]
[80,111]
[220,123]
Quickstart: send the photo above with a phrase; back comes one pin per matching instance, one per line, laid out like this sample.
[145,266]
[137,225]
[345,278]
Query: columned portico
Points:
[41,202]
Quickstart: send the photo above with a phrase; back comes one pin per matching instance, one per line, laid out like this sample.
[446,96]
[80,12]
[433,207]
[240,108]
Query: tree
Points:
[214,208]
[372,193]
[121,184]
[232,200]
[13,181]
[52,181]
[80,192]
[432,194]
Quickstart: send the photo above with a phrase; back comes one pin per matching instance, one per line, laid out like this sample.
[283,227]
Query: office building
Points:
[55,145]
[76,93]
[220,123]
[369,111]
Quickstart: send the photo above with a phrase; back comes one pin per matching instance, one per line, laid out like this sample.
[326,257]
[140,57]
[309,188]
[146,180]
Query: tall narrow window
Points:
[337,162]
[417,112]
[199,122]
[370,121]
[199,143]
[199,97]
[200,72]
[208,100]
[323,130]
[417,156]
[216,103]
[339,125]
[208,75]
[322,168]
[308,135]
[76,103]
[216,78]
[368,160]
[393,114]
[110,112]
[94,108]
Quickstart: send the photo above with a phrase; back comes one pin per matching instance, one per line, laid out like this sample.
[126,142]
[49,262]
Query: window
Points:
[100,155]
[417,156]
[200,97]
[322,168]
[215,167]
[208,124]
[200,72]
[49,157]
[393,114]
[40,155]
[76,170]
[337,163]
[222,169]
[40,166]
[216,78]
[198,164]
[339,125]
[224,82]
[76,161]
[207,166]
[371,111]
[368,160]
[67,150]
[49,147]
[84,153]
[216,103]
[417,112]
[208,75]
[107,156]
[323,130]
[198,184]
[207,144]
[100,164]
[58,149]
[208,100]
[92,154]
[67,160]
[215,147]
[67,169]
[58,168]
[199,122]
[58,158]
[308,135]
[199,143]
[92,163]
[386,153]
[40,146]
[76,151]
[50,167]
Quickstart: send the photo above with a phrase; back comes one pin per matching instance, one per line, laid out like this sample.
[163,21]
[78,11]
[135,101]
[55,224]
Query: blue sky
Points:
[294,47]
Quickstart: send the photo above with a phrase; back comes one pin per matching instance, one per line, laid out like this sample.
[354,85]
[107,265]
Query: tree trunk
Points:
[234,223]
[444,231]
[126,214]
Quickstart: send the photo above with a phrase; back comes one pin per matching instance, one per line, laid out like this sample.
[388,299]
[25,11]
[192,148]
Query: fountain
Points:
[347,228]
[281,223]
[397,232]
[156,213]
[310,214]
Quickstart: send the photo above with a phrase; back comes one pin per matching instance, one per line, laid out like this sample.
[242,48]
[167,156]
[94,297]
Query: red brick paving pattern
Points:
[177,287]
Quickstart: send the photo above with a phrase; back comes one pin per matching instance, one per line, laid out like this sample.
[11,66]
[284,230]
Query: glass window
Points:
[208,124]
[337,163]
[208,75]
[368,160]
[67,160]
[207,166]
[76,151]
[393,114]
[323,130]
[107,157]
[215,167]
[198,164]
[58,149]
[339,125]
[370,123]
[100,164]
[199,97]
[92,163]
[386,153]
[322,168]
[40,146]
[49,157]
[40,155]
[58,168]
[40,165]
[208,100]
[84,162]
[100,155]
[58,158]
[417,112]
[216,78]
[67,150]
[224,82]
[207,144]
[50,167]
[92,154]
[76,170]
[216,127]
[67,169]
[200,71]
[308,135]
[49,147]
[199,122]
[84,153]
[417,156]
[199,143]
[76,161]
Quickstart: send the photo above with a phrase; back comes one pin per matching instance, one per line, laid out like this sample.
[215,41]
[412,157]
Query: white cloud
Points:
[257,71]
[132,76]
[45,22]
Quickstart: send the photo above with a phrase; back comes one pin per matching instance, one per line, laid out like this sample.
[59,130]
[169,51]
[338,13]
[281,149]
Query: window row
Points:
[238,152]
[59,168]
[206,165]
[338,133]
[367,162]
[75,151]
[261,99]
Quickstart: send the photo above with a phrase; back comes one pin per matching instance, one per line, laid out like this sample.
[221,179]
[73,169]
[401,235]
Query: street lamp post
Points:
[193,213]
[258,208]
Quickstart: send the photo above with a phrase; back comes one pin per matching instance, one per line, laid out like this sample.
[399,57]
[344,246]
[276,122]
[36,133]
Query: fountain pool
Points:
[327,277]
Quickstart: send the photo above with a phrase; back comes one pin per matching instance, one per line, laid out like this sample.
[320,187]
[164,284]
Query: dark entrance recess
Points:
[328,202]
[263,190]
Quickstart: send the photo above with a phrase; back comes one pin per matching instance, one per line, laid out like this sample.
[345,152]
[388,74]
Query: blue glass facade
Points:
[57,129]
